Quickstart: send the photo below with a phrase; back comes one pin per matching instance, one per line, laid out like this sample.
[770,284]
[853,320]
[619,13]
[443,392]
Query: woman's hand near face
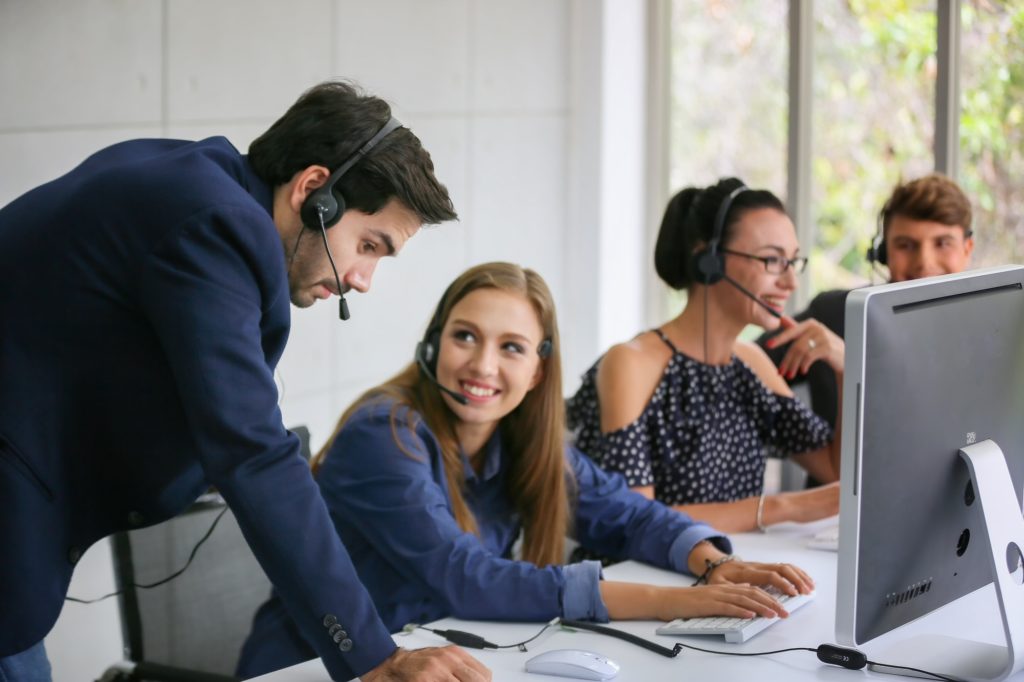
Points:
[809,341]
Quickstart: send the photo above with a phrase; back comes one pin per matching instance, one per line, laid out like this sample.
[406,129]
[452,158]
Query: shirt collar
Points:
[492,460]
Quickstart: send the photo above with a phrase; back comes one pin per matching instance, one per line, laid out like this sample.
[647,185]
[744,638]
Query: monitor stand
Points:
[1002,521]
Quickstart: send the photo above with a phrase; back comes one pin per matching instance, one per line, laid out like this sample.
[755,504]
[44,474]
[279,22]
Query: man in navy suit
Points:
[144,303]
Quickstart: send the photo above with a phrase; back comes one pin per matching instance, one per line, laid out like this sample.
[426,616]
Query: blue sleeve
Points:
[206,290]
[583,592]
[400,505]
[614,521]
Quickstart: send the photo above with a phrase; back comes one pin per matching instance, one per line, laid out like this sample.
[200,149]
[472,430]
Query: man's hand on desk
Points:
[433,664]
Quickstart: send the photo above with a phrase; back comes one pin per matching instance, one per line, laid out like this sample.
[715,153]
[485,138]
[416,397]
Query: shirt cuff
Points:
[582,597]
[679,552]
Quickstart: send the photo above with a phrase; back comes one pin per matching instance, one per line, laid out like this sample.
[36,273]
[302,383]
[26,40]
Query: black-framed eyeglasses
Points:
[775,265]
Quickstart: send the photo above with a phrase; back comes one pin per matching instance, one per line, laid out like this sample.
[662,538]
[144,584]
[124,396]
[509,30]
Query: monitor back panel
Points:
[930,369]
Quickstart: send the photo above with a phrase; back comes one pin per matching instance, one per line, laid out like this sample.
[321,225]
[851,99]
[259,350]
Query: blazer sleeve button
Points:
[345,645]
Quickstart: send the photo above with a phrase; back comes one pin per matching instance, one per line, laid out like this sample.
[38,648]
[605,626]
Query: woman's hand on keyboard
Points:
[736,601]
[628,601]
[786,578]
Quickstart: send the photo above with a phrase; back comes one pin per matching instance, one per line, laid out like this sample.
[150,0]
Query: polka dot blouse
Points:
[704,435]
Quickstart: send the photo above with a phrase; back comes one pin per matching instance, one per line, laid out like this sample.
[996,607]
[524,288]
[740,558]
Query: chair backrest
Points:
[199,620]
[193,626]
[303,433]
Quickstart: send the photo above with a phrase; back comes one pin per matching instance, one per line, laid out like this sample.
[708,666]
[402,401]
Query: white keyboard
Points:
[736,630]
[826,539]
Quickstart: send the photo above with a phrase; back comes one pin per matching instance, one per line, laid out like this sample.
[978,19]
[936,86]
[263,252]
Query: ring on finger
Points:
[812,344]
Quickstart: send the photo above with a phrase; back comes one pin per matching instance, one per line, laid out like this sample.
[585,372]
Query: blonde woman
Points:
[431,476]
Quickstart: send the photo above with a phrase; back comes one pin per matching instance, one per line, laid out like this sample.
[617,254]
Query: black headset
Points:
[429,346]
[708,264]
[877,253]
[323,208]
[326,205]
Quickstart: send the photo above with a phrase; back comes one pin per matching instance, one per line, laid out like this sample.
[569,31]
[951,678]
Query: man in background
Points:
[924,229]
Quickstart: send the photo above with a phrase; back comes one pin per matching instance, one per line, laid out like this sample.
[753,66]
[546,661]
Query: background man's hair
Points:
[934,198]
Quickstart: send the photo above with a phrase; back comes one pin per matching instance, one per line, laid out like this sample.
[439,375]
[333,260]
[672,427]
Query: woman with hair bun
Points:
[688,412]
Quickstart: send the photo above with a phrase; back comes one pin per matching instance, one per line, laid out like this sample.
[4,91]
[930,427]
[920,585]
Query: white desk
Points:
[809,626]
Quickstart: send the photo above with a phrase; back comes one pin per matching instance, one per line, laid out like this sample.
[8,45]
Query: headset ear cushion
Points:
[882,254]
[322,201]
[428,348]
[708,267]
[544,349]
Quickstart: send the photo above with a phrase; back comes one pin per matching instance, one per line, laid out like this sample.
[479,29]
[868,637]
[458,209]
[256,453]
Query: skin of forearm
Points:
[776,510]
[632,601]
[728,517]
[626,601]
[740,516]
[703,552]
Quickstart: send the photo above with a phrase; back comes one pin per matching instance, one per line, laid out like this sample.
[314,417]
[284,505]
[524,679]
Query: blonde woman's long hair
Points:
[539,481]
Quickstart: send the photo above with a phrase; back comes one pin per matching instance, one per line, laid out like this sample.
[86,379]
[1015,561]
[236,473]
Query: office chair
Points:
[190,629]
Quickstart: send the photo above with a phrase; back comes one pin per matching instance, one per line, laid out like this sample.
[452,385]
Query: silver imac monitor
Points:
[933,464]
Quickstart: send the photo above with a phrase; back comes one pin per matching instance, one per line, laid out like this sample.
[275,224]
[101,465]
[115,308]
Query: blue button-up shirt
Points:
[391,507]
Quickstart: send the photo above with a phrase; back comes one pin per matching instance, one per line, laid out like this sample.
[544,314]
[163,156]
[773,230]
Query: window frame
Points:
[799,132]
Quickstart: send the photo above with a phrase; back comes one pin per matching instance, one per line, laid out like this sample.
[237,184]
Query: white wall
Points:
[531,110]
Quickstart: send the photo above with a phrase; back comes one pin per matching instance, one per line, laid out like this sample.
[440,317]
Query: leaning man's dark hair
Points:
[327,124]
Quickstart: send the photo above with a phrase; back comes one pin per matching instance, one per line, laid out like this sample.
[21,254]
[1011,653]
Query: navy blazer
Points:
[143,307]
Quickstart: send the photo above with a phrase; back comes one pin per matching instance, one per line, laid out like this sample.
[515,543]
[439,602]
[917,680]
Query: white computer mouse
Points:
[583,665]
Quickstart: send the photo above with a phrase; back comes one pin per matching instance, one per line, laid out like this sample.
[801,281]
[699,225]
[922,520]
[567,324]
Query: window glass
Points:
[728,75]
[727,96]
[992,127]
[873,123]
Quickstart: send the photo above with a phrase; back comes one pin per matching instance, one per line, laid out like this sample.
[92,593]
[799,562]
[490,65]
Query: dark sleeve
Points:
[830,311]
[614,521]
[402,508]
[204,290]
[795,429]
